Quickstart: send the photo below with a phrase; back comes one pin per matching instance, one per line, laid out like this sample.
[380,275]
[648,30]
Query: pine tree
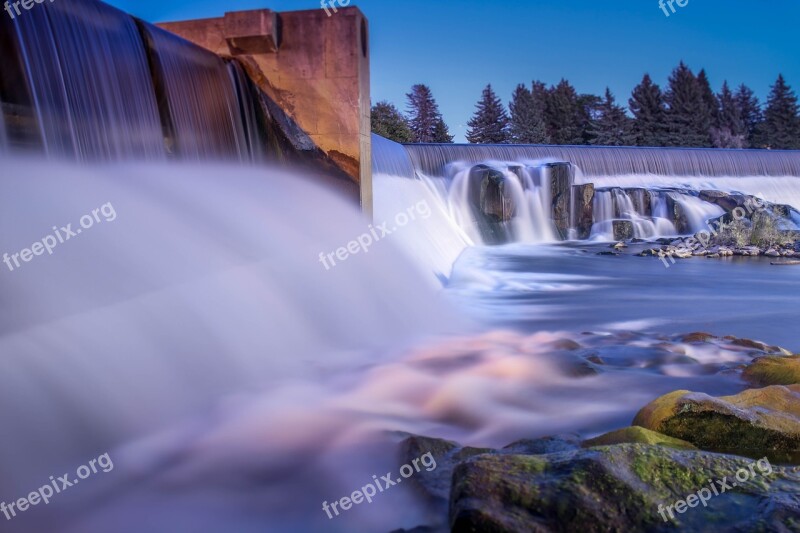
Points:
[441,134]
[649,113]
[590,111]
[749,109]
[489,124]
[388,122]
[564,115]
[728,131]
[781,129]
[688,120]
[527,118]
[425,120]
[612,127]
[710,102]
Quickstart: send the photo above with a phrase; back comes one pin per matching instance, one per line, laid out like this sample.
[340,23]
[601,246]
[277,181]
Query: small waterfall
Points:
[83,80]
[642,193]
[390,158]
[203,117]
[645,210]
[87,82]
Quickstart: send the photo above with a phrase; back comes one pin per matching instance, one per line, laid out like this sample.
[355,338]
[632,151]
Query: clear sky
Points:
[457,47]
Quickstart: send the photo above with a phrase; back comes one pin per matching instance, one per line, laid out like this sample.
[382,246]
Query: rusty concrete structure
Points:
[315,65]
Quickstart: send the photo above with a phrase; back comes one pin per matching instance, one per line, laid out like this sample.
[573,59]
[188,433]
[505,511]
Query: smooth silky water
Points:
[234,381]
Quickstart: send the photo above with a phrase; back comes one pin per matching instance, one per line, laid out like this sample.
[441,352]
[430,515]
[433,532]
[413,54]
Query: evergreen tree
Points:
[441,134]
[489,124]
[527,118]
[728,132]
[590,107]
[612,127]
[649,113]
[710,101]
[425,120]
[781,124]
[388,122]
[749,109]
[688,116]
[564,114]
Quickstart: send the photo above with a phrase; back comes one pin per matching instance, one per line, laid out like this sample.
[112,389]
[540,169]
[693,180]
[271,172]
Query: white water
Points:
[619,204]
[779,190]
[202,293]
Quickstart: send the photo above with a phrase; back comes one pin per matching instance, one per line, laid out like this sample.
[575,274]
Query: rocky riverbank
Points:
[689,460]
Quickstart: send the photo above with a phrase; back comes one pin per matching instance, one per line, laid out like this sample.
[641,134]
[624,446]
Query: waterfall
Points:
[92,83]
[596,161]
[202,118]
[89,82]
[643,193]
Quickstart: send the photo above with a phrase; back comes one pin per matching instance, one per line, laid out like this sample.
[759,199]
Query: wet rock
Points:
[772,370]
[551,444]
[618,488]
[755,421]
[623,230]
[584,209]
[697,337]
[757,345]
[566,344]
[491,194]
[561,178]
[434,486]
[724,200]
[636,435]
[678,216]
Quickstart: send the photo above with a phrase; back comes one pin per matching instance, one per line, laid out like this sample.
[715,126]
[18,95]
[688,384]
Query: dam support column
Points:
[315,65]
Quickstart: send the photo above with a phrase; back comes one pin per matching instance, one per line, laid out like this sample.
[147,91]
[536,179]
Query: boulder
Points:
[772,370]
[678,216]
[624,487]
[623,230]
[490,193]
[752,422]
[561,178]
[636,435]
[584,209]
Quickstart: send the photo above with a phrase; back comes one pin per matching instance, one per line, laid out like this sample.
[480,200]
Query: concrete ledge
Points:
[251,32]
[314,66]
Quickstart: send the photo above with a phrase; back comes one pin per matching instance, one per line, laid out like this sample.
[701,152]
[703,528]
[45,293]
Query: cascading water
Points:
[642,193]
[94,84]
[203,118]
[88,82]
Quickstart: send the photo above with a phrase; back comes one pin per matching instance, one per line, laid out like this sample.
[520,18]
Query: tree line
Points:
[687,113]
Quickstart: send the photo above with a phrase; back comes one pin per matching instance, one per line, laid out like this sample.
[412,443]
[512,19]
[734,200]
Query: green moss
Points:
[766,371]
[636,434]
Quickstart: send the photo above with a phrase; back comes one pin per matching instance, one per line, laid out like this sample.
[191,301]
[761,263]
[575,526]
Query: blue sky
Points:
[458,47]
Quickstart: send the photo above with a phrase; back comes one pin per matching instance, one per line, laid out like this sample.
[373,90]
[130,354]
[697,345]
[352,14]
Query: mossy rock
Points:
[766,371]
[618,488]
[752,422]
[637,435]
[698,337]
[757,345]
